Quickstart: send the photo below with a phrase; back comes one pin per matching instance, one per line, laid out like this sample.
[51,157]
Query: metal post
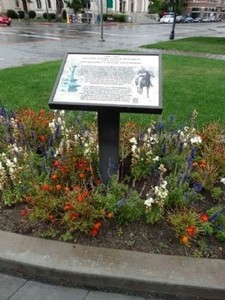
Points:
[174,21]
[46,5]
[101,20]
[108,134]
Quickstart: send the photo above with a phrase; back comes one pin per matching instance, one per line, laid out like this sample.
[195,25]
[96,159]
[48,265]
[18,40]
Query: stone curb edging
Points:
[110,268]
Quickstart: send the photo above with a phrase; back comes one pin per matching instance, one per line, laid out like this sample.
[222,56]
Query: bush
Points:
[120,18]
[21,14]
[12,14]
[64,15]
[52,16]
[32,14]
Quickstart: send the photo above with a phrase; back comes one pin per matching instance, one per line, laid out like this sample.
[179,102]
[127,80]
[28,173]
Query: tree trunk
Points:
[59,6]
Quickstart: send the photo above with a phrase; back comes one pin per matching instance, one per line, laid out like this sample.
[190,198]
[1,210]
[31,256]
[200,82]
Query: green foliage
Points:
[32,14]
[21,14]
[49,161]
[64,14]
[213,45]
[119,18]
[12,14]
[217,220]
[183,219]
[217,193]
[118,199]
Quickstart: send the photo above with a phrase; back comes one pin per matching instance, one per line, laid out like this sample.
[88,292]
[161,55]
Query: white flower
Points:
[162,169]
[196,140]
[133,141]
[222,180]
[155,158]
[133,148]
[164,184]
[149,202]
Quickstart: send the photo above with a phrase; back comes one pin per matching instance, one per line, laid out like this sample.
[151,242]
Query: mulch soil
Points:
[136,236]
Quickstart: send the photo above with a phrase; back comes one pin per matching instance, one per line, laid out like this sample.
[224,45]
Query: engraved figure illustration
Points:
[143,79]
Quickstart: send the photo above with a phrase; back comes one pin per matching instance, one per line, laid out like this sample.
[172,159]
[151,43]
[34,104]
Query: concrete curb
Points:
[109,268]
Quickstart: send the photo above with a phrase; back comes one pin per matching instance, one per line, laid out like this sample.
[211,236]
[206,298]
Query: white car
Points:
[167,19]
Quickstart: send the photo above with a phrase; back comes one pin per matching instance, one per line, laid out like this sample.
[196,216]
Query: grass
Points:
[188,83]
[193,44]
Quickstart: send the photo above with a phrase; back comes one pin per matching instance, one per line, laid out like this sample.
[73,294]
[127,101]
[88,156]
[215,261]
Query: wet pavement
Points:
[27,43]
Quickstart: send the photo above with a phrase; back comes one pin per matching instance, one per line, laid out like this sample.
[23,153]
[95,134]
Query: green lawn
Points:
[194,44]
[188,83]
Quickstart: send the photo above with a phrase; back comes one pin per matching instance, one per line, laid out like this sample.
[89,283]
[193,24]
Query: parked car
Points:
[5,20]
[204,20]
[198,20]
[212,19]
[167,19]
[188,20]
[180,19]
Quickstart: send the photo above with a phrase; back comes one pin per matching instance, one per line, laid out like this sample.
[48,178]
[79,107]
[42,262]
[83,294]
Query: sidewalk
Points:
[140,274]
[15,288]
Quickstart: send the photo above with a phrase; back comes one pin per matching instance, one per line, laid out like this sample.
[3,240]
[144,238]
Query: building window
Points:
[122,6]
[132,7]
[38,4]
[17,3]
[49,4]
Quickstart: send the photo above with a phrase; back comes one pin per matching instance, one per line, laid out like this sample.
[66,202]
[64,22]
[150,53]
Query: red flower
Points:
[96,228]
[202,164]
[24,212]
[204,217]
[82,196]
[58,187]
[56,163]
[68,207]
[82,175]
[66,189]
[73,216]
[42,138]
[191,230]
[51,217]
[45,187]
[54,176]
[76,188]
[63,169]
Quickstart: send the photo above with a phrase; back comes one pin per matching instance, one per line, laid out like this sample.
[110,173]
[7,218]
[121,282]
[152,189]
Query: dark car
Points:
[188,20]
[5,20]
[180,19]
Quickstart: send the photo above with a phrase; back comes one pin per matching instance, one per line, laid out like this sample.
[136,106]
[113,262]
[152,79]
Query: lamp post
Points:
[101,21]
[46,6]
[174,21]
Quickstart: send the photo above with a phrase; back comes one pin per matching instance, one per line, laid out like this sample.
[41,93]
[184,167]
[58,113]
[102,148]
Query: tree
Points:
[25,7]
[59,7]
[77,5]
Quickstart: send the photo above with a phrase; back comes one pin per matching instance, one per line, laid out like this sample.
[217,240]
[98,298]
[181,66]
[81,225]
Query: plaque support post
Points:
[108,134]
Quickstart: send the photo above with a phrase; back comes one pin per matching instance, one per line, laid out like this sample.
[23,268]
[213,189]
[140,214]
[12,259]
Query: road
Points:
[26,43]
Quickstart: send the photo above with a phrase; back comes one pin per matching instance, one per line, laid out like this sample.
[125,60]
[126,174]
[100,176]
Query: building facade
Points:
[205,8]
[194,8]
[109,6]
[39,6]
[121,6]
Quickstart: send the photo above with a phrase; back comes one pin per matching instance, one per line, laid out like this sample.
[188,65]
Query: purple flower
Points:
[197,187]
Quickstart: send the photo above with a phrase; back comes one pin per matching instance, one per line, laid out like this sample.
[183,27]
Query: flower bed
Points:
[170,186]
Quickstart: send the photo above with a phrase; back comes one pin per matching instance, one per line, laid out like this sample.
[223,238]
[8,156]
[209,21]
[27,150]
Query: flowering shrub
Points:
[49,162]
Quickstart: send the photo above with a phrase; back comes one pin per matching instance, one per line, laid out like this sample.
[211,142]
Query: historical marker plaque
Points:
[125,82]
